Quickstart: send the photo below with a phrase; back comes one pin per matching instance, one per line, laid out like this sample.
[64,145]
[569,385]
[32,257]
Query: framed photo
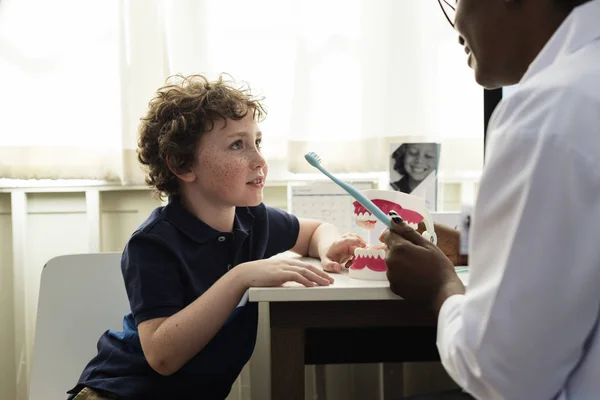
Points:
[413,169]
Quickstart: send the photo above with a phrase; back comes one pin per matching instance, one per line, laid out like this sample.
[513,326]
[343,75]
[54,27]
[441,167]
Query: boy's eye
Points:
[240,144]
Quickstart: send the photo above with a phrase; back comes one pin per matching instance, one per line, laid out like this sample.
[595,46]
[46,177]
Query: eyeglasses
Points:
[448,9]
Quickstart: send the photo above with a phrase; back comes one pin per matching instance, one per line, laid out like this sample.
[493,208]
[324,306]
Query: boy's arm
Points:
[168,343]
[315,238]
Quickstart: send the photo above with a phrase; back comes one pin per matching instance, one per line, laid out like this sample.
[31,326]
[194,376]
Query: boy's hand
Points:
[277,271]
[341,252]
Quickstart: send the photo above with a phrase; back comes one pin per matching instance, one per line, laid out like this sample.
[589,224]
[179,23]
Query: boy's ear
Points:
[186,176]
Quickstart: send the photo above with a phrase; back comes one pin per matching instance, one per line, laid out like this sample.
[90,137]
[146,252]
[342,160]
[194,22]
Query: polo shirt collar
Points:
[199,231]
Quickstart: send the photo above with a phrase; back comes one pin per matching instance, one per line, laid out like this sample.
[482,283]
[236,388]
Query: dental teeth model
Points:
[369,262]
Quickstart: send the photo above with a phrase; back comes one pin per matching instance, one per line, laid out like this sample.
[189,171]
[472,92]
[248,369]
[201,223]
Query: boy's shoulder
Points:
[155,224]
[156,228]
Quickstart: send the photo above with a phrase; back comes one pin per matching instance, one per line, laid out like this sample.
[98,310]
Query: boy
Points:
[188,265]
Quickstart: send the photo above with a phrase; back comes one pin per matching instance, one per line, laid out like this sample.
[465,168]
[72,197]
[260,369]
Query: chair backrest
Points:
[81,296]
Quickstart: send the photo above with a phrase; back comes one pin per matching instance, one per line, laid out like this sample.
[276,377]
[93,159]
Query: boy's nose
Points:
[259,161]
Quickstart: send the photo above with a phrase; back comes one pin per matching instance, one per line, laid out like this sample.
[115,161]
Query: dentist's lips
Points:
[469,55]
[463,42]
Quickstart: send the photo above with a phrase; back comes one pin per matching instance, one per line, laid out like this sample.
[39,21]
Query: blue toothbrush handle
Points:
[368,204]
[361,198]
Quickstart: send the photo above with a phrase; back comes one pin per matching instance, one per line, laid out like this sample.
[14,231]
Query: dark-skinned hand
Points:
[448,240]
[418,270]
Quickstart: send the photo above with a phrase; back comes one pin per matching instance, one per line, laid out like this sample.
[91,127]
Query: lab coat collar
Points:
[579,29]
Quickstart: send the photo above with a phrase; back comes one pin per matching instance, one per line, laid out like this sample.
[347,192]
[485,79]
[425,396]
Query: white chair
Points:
[81,296]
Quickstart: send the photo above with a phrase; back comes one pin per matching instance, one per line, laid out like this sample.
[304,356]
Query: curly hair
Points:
[177,118]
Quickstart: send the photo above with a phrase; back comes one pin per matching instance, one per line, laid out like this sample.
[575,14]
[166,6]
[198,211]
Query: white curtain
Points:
[343,78]
[59,89]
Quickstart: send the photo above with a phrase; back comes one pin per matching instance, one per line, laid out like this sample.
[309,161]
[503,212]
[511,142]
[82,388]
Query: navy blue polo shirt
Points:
[171,260]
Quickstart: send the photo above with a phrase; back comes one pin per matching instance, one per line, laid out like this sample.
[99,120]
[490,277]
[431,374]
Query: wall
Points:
[7,327]
[39,224]
[121,212]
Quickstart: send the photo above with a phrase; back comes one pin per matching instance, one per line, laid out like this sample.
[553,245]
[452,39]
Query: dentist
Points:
[528,325]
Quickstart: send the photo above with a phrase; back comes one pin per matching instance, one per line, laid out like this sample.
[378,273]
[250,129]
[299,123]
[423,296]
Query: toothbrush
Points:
[314,160]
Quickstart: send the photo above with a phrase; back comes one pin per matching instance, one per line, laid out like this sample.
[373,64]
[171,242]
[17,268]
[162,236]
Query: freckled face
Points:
[230,169]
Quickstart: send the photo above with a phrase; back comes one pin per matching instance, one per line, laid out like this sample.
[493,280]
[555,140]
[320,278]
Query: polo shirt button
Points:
[228,267]
[221,238]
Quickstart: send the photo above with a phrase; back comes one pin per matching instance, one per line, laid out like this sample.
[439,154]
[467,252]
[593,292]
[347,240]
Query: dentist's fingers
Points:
[402,229]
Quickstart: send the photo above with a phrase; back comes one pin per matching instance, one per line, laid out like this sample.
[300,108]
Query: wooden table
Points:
[351,321]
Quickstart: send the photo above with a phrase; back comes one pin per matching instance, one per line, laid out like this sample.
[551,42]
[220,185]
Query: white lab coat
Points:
[527,327]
